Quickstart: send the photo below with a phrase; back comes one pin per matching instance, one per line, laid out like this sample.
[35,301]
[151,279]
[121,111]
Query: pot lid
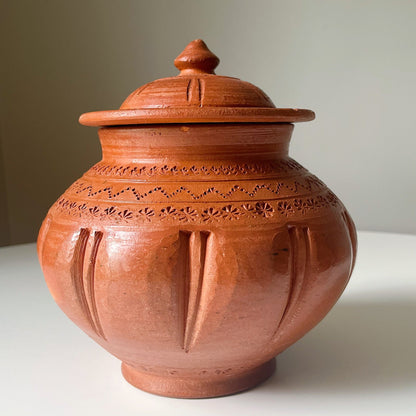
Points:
[196,95]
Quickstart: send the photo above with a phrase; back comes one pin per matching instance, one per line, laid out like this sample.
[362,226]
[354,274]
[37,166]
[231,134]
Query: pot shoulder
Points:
[226,194]
[266,250]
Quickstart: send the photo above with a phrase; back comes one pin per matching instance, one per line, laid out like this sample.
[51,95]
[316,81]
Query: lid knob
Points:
[196,59]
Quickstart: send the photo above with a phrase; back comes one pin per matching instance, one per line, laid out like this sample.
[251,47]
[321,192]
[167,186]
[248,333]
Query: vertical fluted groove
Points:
[77,274]
[43,238]
[188,88]
[299,240]
[353,237]
[199,93]
[192,257]
[184,273]
[77,271]
[193,92]
[197,283]
[98,235]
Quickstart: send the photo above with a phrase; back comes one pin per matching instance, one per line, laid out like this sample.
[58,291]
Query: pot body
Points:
[196,253]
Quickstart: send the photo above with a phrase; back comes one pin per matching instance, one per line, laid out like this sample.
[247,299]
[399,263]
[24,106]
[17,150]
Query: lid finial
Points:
[196,58]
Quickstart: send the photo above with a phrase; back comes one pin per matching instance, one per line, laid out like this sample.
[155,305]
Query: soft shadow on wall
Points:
[4,217]
[61,59]
[352,62]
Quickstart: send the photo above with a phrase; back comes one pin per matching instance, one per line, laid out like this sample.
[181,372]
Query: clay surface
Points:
[196,252]
[196,95]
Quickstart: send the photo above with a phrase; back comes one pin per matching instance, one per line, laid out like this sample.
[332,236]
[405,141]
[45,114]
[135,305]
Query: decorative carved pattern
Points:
[299,238]
[192,257]
[197,213]
[194,92]
[353,237]
[98,235]
[192,192]
[146,171]
[85,293]
[186,372]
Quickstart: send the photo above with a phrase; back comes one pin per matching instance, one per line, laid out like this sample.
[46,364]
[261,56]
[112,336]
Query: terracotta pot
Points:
[196,250]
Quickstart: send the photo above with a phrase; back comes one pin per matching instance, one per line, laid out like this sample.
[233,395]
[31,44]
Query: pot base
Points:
[201,387]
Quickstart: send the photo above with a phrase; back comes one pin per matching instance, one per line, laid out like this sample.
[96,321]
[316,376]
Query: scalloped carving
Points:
[148,171]
[198,213]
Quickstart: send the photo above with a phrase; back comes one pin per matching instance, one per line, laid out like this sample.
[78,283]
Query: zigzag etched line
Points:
[310,183]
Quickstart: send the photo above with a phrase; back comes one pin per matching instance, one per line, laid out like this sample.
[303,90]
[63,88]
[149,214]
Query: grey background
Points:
[352,62]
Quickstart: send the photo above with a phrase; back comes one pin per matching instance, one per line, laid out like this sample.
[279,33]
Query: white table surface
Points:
[361,360]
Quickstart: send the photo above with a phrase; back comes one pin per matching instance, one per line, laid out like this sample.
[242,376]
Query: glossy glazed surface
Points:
[197,251]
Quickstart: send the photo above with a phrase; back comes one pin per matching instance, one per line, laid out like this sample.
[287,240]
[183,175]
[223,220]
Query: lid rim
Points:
[196,115]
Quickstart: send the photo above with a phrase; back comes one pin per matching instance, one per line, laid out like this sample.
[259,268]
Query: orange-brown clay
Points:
[196,250]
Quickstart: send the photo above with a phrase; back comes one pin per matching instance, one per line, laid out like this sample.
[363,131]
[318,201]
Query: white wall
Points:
[353,62]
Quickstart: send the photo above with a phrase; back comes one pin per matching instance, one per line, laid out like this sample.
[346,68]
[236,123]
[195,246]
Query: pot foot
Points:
[198,387]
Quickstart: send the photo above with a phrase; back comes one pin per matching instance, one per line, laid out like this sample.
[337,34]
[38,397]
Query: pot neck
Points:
[192,142]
